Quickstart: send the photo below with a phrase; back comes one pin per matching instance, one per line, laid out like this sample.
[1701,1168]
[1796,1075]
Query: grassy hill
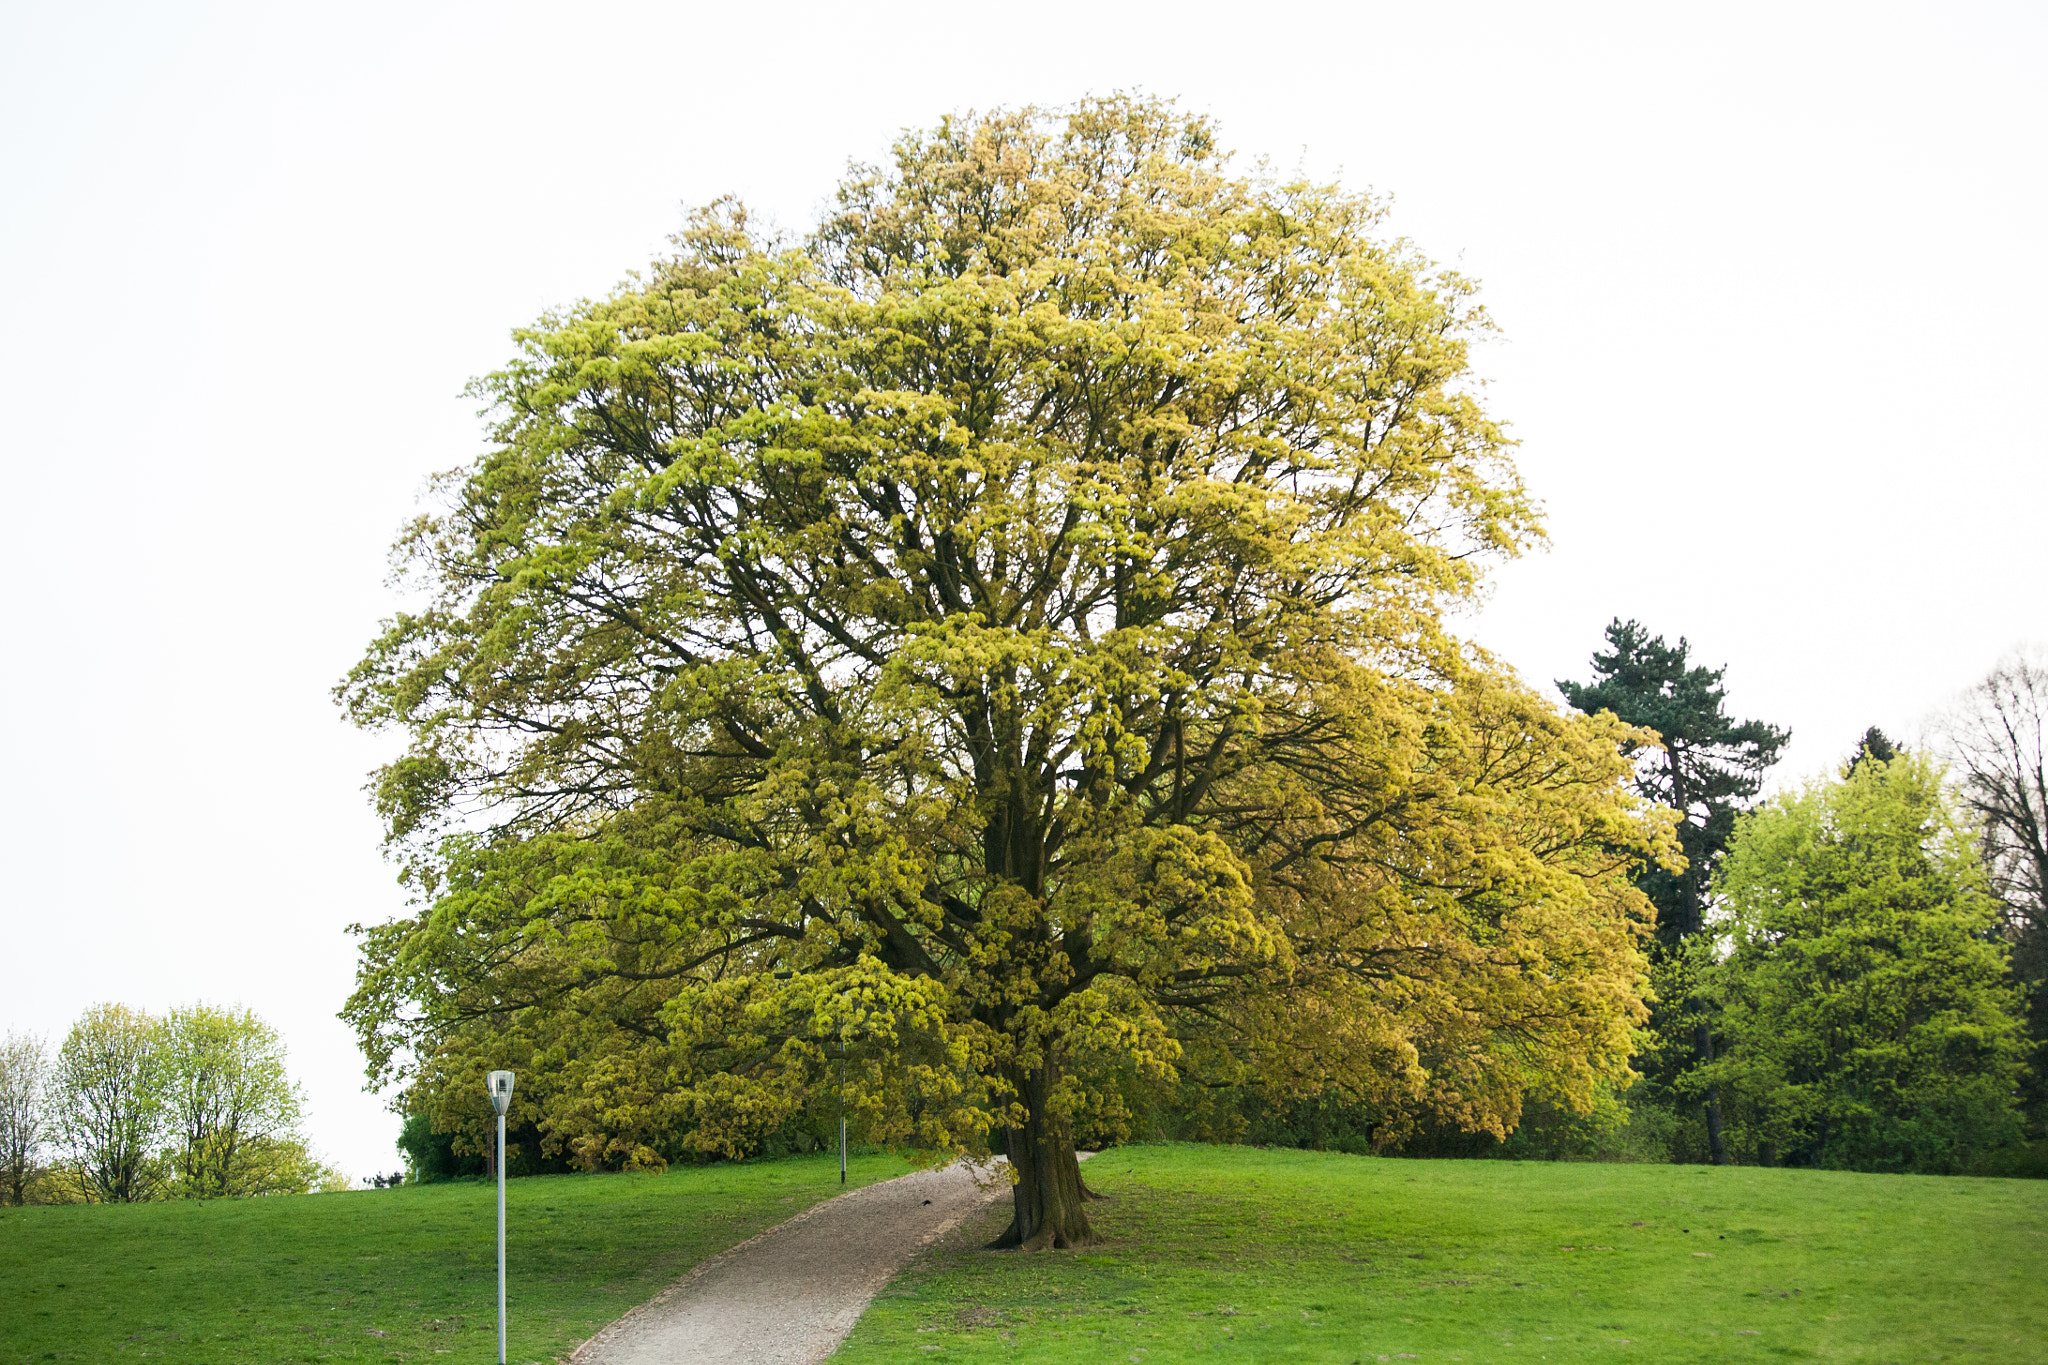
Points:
[1208,1254]
[1279,1256]
[378,1275]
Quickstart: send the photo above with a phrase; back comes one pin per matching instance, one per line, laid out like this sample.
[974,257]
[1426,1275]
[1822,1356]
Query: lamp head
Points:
[499,1086]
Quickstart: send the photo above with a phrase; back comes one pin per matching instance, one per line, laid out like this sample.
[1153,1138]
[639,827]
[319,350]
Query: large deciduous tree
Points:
[996,641]
[1705,765]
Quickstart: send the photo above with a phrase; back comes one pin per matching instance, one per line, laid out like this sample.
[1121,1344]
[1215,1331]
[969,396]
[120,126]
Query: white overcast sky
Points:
[1770,280]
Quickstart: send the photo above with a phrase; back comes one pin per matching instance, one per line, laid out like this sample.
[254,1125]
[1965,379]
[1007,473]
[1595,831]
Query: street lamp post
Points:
[842,1113]
[499,1085]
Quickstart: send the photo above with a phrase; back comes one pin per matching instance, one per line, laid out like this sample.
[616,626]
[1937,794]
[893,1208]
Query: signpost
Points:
[499,1085]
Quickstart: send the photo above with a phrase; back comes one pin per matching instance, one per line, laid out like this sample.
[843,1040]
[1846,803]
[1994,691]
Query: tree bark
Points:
[1702,1029]
[1048,1194]
[1703,1047]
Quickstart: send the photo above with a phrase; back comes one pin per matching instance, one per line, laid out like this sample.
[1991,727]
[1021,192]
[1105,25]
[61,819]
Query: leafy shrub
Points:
[2021,1161]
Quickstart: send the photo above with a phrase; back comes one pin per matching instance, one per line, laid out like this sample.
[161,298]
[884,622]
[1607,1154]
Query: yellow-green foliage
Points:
[995,641]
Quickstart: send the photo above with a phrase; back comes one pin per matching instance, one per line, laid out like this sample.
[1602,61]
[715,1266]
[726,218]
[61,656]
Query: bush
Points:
[1621,1128]
[2022,1161]
[431,1156]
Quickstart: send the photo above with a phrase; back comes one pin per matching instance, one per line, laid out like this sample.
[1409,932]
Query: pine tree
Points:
[1875,746]
[1709,766]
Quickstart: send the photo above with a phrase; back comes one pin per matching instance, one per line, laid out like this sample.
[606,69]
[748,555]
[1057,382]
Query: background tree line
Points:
[1847,972]
[193,1104]
[1850,974]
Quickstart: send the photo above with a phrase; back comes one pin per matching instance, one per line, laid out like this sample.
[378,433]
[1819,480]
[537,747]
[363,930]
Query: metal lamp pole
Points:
[499,1084]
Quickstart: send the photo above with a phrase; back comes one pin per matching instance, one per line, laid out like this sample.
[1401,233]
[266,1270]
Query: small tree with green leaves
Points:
[24,1112]
[230,1108]
[109,1083]
[1864,1003]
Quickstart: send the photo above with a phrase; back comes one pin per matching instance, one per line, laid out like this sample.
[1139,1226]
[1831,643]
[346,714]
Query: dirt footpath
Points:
[790,1295]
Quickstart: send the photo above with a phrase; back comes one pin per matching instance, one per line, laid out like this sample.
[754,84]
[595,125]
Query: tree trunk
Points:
[1703,1048]
[1048,1194]
[1702,1028]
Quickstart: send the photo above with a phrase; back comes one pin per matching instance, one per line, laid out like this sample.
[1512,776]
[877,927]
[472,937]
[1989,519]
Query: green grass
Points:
[380,1275]
[1208,1254]
[1232,1254]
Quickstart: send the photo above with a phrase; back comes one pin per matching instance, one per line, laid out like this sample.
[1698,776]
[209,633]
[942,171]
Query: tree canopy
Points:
[194,1104]
[1865,999]
[108,1083]
[24,1112]
[1999,736]
[998,641]
[229,1105]
[1702,762]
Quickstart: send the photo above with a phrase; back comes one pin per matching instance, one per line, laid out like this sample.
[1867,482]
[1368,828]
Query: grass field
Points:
[1208,1254]
[1231,1254]
[381,1275]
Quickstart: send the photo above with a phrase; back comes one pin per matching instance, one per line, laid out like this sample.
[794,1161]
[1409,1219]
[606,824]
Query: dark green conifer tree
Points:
[1875,746]
[1709,767]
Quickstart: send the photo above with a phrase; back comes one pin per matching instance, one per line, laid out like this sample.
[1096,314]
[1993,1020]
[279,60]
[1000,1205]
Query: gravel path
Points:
[790,1295]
